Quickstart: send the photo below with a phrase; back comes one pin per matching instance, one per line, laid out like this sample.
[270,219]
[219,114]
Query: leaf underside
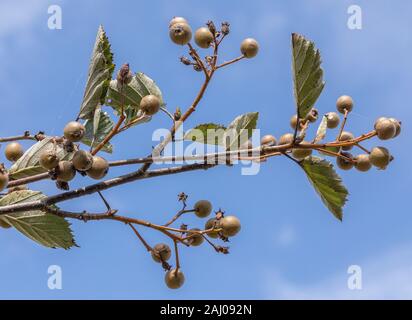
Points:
[327,184]
[97,129]
[240,130]
[307,74]
[46,229]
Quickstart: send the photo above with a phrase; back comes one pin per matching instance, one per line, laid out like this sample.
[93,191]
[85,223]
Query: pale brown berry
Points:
[74,131]
[196,238]
[397,125]
[332,120]
[177,20]
[362,162]
[293,121]
[312,115]
[380,157]
[385,129]
[344,103]
[13,151]
[343,163]
[203,37]
[150,104]
[230,226]
[287,138]
[99,168]
[212,223]
[65,171]
[268,140]
[249,47]
[180,33]
[49,160]
[161,252]
[301,153]
[345,136]
[174,278]
[203,208]
[82,160]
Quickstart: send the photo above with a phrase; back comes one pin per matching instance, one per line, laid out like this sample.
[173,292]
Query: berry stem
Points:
[143,241]
[229,62]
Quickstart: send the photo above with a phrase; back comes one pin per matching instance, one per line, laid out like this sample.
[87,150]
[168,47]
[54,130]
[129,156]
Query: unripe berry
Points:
[312,115]
[150,104]
[203,208]
[13,151]
[249,47]
[332,120]
[161,252]
[293,121]
[385,129]
[380,157]
[203,37]
[99,168]
[49,160]
[397,126]
[74,131]
[82,160]
[212,223]
[345,136]
[268,140]
[230,226]
[362,162]
[196,238]
[180,33]
[4,180]
[174,278]
[65,171]
[287,138]
[343,163]
[301,153]
[177,20]
[344,102]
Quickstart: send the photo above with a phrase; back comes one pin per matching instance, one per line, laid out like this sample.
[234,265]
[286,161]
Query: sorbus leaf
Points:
[97,129]
[327,184]
[46,229]
[307,74]
[207,133]
[321,132]
[240,130]
[100,73]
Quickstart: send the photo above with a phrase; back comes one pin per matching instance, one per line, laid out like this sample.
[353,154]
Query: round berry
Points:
[287,138]
[203,208]
[397,125]
[196,238]
[380,157]
[177,20]
[230,226]
[312,115]
[174,278]
[180,33]
[74,131]
[268,140]
[343,163]
[65,171]
[332,120]
[13,151]
[82,160]
[362,162]
[150,104]
[385,129]
[301,153]
[344,103]
[161,252]
[212,223]
[345,136]
[203,37]
[293,121]
[249,47]
[49,160]
[99,168]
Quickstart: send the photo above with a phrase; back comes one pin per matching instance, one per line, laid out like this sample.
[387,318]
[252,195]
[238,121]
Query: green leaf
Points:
[321,132]
[131,94]
[327,184]
[240,130]
[307,74]
[100,73]
[28,165]
[207,133]
[46,229]
[97,129]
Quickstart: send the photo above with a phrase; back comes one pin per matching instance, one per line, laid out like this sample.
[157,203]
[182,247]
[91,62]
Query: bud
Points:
[124,76]
[212,27]
[225,28]
[185,61]
[197,67]
[177,115]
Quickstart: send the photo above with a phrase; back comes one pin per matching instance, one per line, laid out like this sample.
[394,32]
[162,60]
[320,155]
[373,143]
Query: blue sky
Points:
[290,245]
